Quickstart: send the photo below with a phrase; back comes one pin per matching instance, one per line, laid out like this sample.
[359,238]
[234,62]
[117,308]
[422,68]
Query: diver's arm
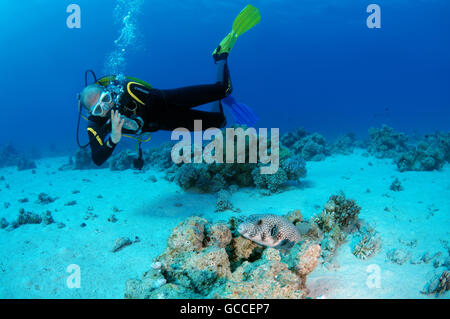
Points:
[101,150]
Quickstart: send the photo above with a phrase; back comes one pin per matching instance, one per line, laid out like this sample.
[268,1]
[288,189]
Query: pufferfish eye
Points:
[274,231]
[259,223]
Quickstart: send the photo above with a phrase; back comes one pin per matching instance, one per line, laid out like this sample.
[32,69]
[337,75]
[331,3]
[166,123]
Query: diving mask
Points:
[103,104]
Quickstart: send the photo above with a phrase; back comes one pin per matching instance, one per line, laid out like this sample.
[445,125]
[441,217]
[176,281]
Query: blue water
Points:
[312,64]
[308,63]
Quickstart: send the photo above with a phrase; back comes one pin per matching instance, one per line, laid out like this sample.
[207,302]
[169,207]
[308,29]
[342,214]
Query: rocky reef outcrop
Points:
[159,157]
[338,221]
[81,160]
[213,177]
[430,153]
[122,161]
[10,156]
[25,218]
[345,144]
[311,146]
[384,142]
[210,260]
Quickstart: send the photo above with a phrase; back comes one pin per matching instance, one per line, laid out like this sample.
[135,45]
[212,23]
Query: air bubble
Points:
[125,14]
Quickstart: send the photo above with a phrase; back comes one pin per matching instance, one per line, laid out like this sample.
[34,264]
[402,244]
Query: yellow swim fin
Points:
[246,19]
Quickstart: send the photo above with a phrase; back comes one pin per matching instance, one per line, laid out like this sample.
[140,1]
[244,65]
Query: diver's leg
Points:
[191,96]
[223,77]
[171,121]
[161,116]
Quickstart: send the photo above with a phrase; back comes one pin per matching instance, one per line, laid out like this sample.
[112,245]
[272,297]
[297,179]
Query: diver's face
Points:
[101,104]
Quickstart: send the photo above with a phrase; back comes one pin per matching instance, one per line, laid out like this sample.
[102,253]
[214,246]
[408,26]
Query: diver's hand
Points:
[116,126]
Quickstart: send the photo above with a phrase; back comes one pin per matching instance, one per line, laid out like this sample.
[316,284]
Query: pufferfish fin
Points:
[285,244]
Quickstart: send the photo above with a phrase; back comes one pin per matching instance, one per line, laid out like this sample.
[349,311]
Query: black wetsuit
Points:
[160,110]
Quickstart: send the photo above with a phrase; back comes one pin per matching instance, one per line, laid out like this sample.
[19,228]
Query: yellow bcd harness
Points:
[105,81]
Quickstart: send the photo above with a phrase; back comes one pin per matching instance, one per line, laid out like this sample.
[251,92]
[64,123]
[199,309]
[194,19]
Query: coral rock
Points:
[3,223]
[223,202]
[396,186]
[199,271]
[368,246]
[271,254]
[45,199]
[438,285]
[242,248]
[28,218]
[145,287]
[386,143]
[121,161]
[398,256]
[24,163]
[212,259]
[270,280]
[121,243]
[47,218]
[294,216]
[204,260]
[188,235]
[307,259]
[344,144]
[219,235]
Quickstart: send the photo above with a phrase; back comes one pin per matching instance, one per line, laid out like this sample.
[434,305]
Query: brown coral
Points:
[368,246]
[220,235]
[307,258]
[188,235]
[211,259]
[444,282]
[267,279]
[337,220]
[242,248]
[294,216]
[197,264]
[438,285]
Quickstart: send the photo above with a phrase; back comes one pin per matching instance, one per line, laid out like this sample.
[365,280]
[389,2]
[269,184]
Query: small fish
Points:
[270,230]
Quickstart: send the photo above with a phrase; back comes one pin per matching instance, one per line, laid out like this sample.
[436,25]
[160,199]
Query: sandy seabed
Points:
[34,258]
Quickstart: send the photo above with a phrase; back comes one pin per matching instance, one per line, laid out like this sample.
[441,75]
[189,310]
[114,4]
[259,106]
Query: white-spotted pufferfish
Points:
[270,230]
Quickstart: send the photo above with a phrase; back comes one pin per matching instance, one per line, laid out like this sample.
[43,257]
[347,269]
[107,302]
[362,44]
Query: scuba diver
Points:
[119,104]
